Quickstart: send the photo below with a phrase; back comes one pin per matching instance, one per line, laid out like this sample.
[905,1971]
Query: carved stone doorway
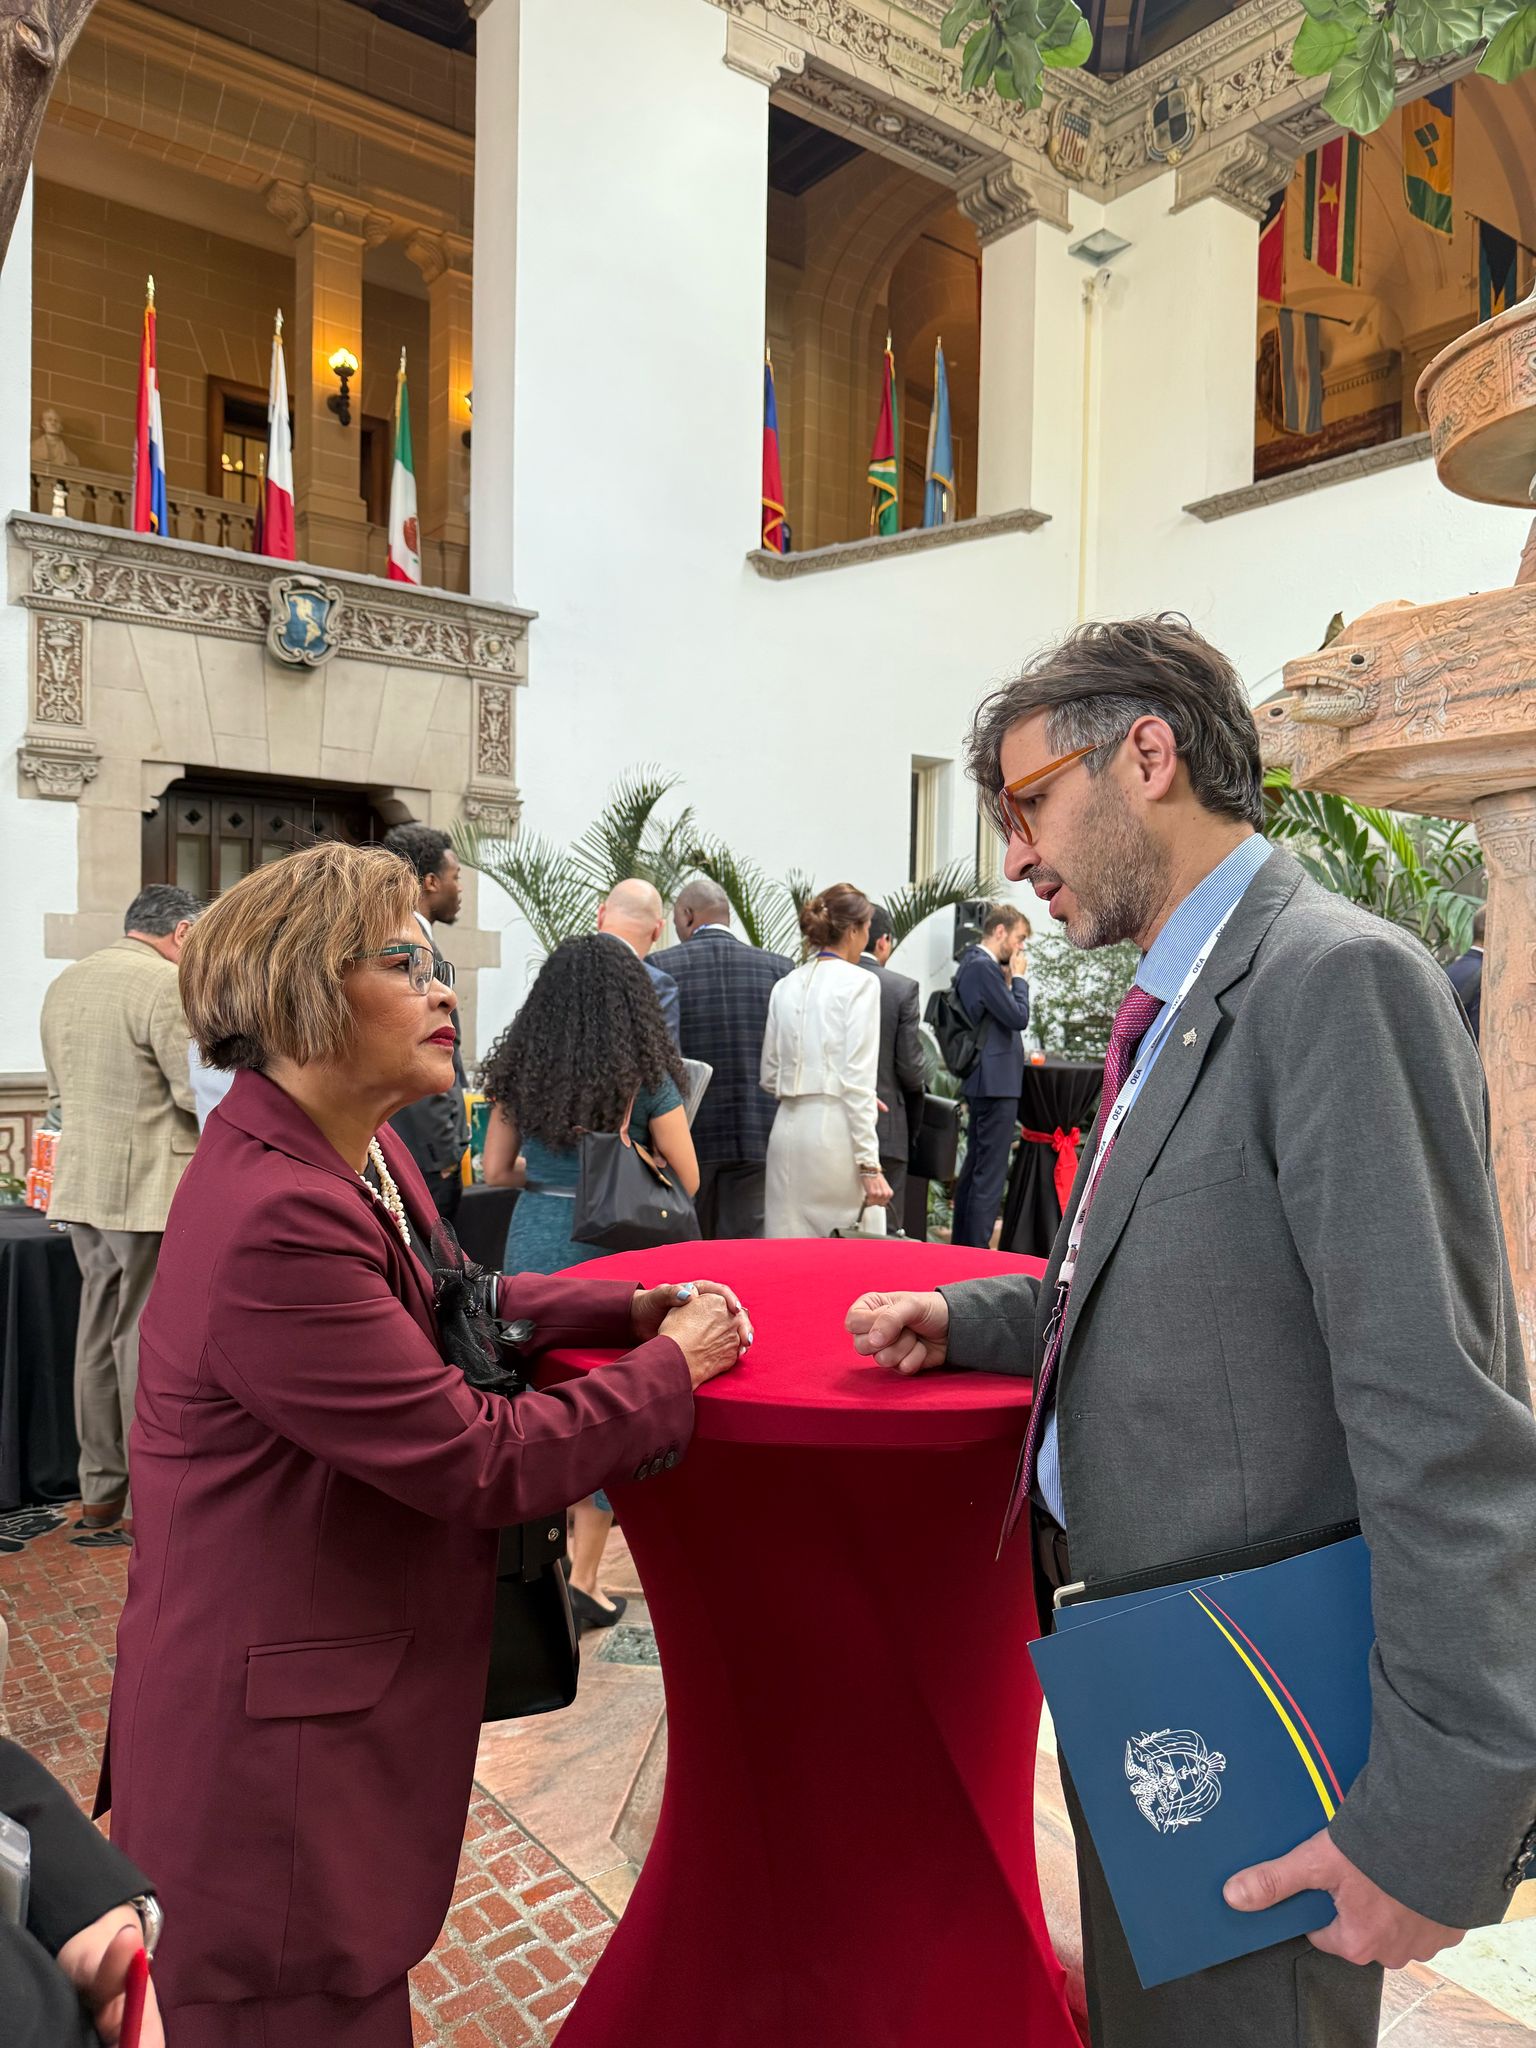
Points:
[209,830]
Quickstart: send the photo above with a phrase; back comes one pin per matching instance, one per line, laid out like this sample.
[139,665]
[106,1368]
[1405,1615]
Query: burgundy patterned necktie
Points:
[1138,1008]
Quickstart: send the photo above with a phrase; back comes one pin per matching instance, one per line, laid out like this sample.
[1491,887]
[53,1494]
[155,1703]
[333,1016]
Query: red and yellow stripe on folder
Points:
[1292,1719]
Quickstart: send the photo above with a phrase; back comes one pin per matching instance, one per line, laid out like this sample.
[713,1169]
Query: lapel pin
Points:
[1190,1037]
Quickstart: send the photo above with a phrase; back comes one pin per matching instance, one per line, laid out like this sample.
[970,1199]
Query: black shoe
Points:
[592,1615]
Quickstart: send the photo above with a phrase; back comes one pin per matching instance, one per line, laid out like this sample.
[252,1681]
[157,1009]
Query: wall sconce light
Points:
[469,400]
[344,364]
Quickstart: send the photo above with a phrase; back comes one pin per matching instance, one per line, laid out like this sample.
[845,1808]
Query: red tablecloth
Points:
[845,1854]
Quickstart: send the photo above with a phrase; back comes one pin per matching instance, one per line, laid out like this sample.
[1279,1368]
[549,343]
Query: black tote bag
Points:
[626,1199]
[535,1657]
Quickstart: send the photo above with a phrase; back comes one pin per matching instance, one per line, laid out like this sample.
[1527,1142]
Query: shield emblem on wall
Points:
[306,615]
[1172,124]
[1067,139]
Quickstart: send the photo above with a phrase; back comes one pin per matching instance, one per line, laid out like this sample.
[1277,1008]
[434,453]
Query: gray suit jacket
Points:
[1293,1307]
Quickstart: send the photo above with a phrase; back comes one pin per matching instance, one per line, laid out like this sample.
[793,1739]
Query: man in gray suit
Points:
[1290,1306]
[899,1081]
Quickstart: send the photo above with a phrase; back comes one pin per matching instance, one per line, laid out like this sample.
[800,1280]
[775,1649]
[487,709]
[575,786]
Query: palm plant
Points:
[1425,874]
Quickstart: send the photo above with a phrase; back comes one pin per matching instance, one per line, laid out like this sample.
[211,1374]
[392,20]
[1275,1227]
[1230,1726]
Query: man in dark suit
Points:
[899,1084]
[994,994]
[1269,1327]
[723,987]
[1467,975]
[634,913]
[436,1129]
[88,1914]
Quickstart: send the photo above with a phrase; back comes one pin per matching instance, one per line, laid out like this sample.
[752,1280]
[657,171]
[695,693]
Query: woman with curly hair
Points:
[588,1045]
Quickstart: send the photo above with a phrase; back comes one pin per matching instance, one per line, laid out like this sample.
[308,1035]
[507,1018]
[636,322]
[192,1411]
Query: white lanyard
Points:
[1151,1046]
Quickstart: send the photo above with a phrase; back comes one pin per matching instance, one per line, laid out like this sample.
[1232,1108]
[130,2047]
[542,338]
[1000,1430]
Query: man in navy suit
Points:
[635,913]
[995,996]
[723,987]
[1467,974]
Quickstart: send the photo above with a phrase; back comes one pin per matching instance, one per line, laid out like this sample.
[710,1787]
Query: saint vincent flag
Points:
[1498,262]
[1332,239]
[1429,154]
[1272,250]
[885,505]
[775,532]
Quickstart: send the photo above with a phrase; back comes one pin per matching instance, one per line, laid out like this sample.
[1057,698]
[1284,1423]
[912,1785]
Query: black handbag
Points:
[626,1199]
[535,1660]
[934,1149]
[535,1656]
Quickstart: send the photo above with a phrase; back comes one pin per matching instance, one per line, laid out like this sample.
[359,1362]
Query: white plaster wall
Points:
[37,839]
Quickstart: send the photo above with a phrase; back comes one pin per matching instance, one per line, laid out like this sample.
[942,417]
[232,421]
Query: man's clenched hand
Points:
[907,1331]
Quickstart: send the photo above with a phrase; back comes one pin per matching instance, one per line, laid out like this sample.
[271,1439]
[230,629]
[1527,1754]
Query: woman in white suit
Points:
[821,1055]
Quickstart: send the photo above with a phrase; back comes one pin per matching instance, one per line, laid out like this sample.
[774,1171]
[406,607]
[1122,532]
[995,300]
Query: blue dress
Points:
[539,1236]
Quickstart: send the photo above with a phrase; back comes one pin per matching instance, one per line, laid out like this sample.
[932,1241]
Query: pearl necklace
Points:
[386,1194]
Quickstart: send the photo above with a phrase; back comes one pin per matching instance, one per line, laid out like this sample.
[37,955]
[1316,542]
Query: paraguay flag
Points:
[277,491]
[939,487]
[885,503]
[1498,262]
[1332,237]
[1429,157]
[149,513]
[775,532]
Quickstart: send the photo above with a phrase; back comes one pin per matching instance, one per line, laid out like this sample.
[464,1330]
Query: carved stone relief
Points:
[1005,196]
[58,665]
[1246,173]
[757,54]
[493,731]
[890,126]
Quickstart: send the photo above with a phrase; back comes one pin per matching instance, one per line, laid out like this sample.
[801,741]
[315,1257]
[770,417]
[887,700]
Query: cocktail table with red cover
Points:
[845,1852]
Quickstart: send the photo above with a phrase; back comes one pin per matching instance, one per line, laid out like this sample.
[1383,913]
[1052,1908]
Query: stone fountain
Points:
[1432,708]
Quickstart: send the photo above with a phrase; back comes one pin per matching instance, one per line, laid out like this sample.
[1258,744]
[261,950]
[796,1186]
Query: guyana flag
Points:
[1429,155]
[1332,238]
[885,503]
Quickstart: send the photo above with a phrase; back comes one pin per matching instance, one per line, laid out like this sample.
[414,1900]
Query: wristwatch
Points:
[151,1919]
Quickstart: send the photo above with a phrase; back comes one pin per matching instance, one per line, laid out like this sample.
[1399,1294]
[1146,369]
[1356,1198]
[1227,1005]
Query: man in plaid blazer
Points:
[115,1046]
[723,987]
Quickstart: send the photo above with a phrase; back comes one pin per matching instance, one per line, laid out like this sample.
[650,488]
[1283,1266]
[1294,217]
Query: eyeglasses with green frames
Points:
[423,966]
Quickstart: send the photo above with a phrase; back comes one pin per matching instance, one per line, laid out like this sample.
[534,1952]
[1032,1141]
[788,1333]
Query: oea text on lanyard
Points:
[1151,1046]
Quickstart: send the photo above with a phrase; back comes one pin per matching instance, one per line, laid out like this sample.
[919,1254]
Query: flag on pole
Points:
[1301,371]
[775,531]
[149,512]
[939,472]
[1332,238]
[1429,155]
[277,492]
[1498,263]
[1272,250]
[885,504]
[404,533]
[258,530]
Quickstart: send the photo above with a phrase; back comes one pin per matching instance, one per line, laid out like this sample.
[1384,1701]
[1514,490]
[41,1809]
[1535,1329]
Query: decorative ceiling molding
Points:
[882,123]
[757,54]
[1247,173]
[435,255]
[1004,197]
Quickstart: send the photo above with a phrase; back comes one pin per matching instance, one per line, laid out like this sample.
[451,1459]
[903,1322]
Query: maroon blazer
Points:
[303,1651]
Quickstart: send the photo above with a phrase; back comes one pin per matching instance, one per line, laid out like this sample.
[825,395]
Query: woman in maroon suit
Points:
[317,1494]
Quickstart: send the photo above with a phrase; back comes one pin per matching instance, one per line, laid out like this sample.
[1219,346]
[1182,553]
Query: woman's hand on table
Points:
[705,1319]
[908,1332]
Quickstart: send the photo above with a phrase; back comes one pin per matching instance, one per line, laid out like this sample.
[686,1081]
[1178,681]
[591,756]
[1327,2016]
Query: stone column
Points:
[1506,825]
[330,230]
[1029,339]
[445,262]
[498,67]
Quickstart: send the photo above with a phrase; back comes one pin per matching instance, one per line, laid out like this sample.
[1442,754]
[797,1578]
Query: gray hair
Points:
[158,909]
[706,900]
[1096,683]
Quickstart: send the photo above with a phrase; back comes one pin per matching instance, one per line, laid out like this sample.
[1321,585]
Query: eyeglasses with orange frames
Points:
[1011,801]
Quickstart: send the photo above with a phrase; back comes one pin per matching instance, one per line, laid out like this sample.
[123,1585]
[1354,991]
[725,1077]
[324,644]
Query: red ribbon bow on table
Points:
[1065,1144]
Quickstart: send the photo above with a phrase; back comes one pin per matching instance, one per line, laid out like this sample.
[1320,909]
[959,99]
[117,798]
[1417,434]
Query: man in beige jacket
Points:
[115,1046]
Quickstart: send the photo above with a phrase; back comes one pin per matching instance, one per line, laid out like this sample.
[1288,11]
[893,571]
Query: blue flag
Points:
[939,490]
[1301,371]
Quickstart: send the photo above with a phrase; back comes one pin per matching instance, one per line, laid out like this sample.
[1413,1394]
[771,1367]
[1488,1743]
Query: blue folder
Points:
[1208,1727]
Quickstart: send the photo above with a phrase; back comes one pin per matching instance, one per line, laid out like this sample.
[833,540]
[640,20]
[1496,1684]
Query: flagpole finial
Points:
[768,354]
[150,289]
[402,362]
[279,327]
[887,341]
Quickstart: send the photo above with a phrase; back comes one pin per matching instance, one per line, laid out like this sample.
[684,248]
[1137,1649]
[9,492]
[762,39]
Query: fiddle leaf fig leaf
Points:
[1513,49]
[1319,45]
[1363,89]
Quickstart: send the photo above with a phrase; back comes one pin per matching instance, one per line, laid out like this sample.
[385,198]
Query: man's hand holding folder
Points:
[1370,1927]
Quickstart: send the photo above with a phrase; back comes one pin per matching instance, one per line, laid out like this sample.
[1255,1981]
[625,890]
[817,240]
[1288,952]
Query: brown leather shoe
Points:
[101,1514]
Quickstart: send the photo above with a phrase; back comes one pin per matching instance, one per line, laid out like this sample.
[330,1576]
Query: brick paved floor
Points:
[524,1930]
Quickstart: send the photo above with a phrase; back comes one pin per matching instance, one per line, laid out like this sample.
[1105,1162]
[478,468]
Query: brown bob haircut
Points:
[261,971]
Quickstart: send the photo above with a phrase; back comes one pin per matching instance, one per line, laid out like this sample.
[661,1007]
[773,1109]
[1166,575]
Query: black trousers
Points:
[979,1190]
[731,1196]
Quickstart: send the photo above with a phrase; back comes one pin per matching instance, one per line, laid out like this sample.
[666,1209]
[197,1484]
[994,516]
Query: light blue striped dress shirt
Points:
[1173,952]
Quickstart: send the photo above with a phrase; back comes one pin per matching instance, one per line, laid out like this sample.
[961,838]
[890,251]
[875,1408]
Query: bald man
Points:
[635,914]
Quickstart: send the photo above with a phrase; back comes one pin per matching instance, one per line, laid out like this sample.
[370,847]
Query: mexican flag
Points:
[885,505]
[404,534]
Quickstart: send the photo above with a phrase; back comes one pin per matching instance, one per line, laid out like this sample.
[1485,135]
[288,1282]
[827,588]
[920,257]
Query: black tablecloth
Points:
[1062,1095]
[39,1308]
[481,1223]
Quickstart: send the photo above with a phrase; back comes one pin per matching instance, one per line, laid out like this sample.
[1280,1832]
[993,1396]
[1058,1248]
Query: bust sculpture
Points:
[50,445]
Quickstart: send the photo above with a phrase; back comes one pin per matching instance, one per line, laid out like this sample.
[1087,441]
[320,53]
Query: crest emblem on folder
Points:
[1174,1779]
